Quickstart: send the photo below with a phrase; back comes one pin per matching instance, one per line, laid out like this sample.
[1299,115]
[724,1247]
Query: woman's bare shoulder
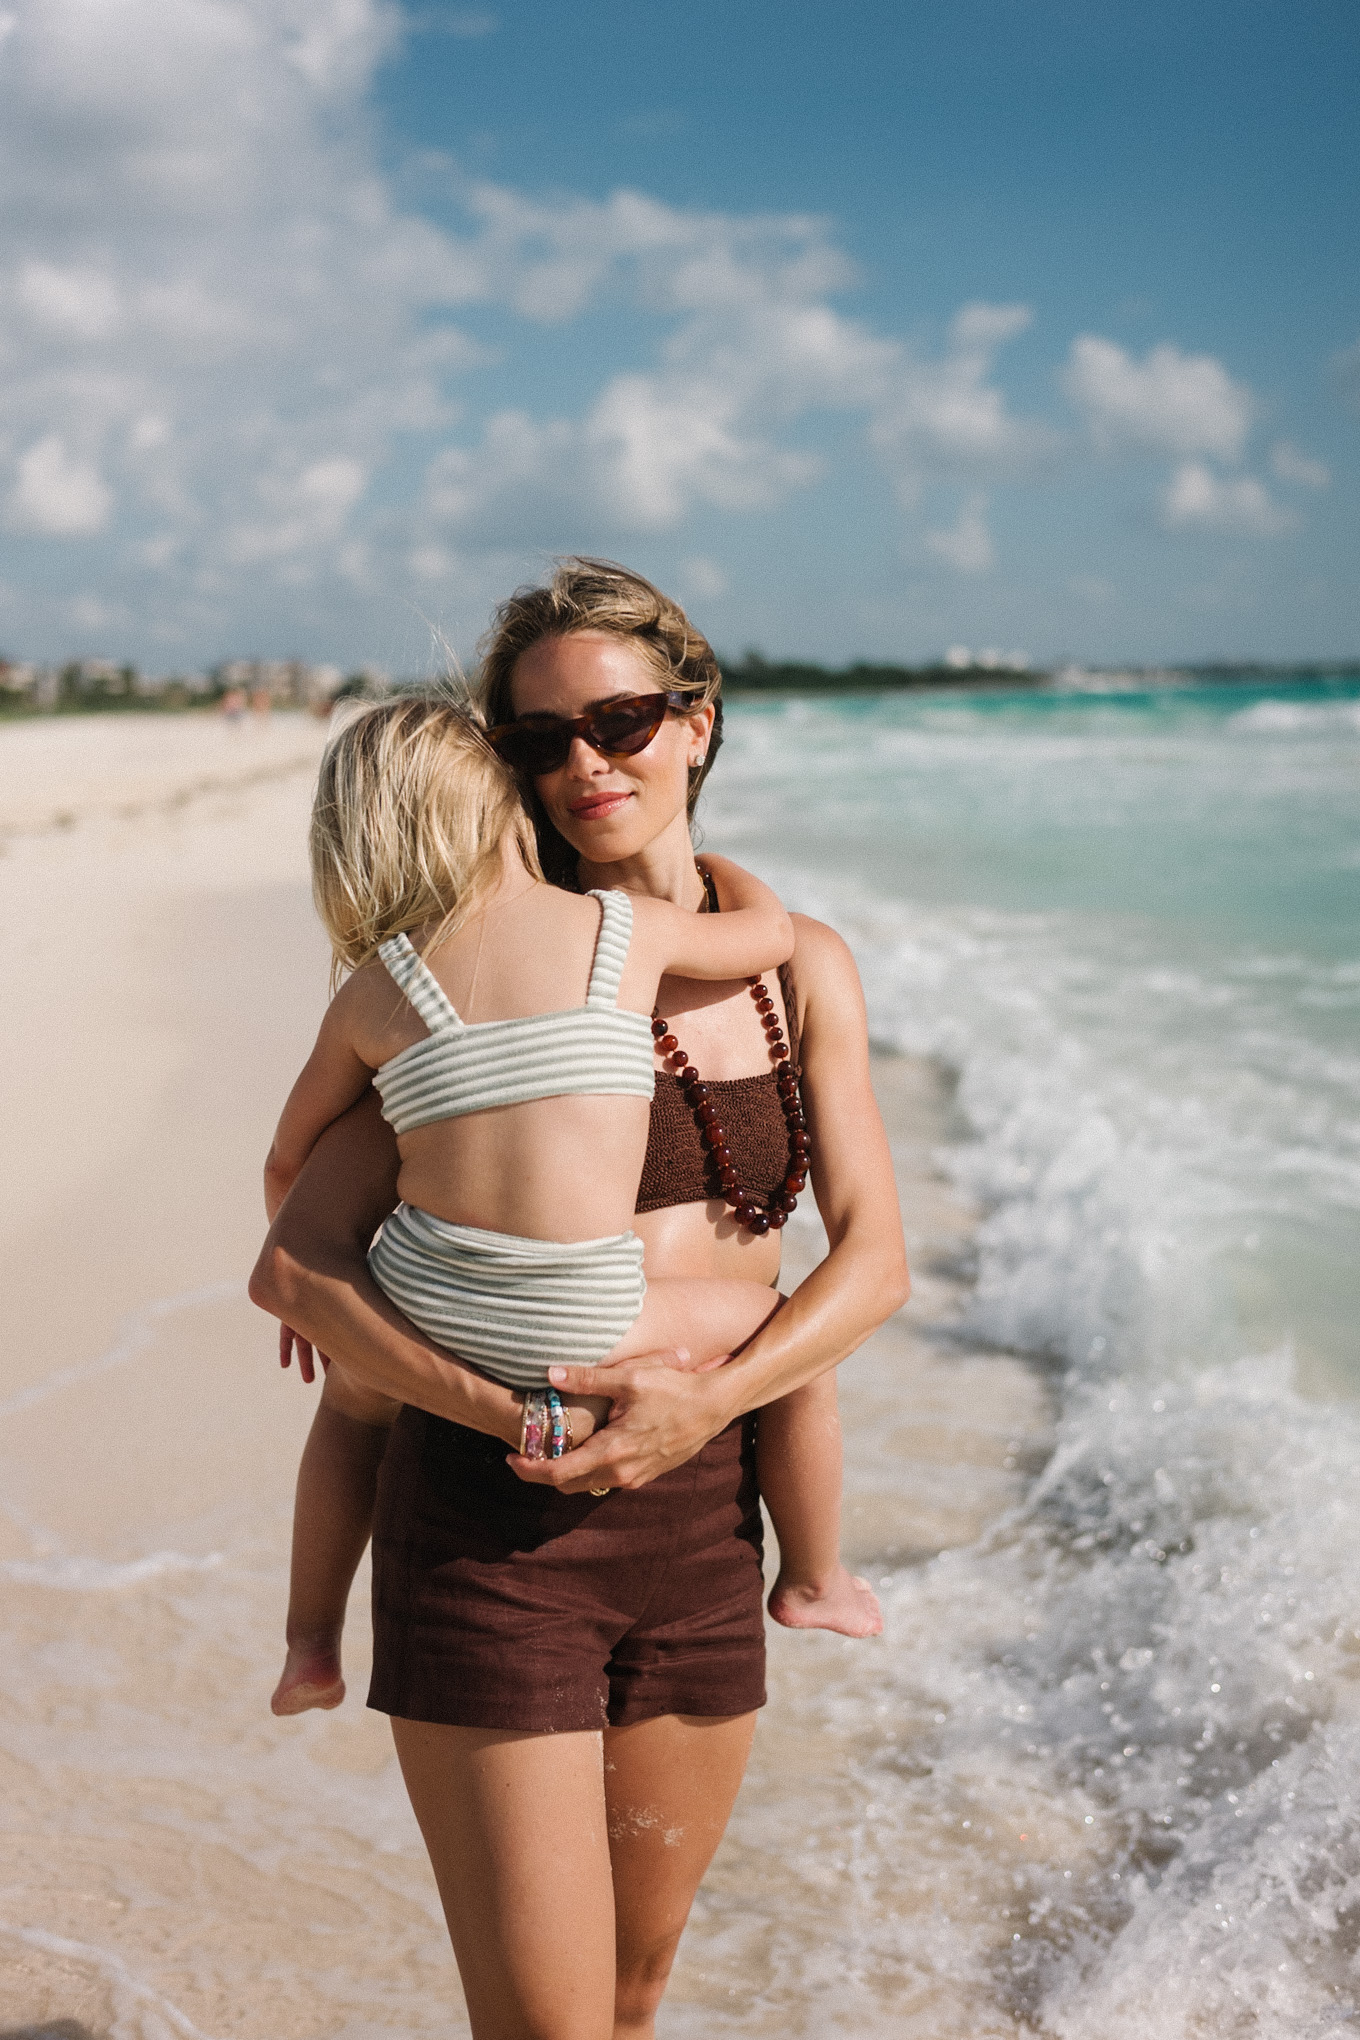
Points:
[820,956]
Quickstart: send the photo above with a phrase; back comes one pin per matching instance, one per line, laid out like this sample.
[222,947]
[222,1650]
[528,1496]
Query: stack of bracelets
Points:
[545,1432]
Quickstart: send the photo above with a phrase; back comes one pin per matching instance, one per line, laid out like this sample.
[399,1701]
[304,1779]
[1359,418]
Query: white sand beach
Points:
[177,1861]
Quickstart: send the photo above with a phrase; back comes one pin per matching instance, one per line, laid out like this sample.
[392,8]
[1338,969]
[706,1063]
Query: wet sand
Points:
[176,1860]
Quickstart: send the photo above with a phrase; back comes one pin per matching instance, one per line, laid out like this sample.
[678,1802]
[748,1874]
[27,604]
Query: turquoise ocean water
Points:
[1129,919]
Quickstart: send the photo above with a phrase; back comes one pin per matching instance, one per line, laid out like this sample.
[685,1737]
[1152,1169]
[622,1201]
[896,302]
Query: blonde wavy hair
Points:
[412,808]
[589,594]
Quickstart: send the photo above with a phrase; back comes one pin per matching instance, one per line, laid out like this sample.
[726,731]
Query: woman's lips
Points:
[595,806]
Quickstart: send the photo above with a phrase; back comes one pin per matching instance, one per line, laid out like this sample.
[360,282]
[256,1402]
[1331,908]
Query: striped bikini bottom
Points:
[512,1307]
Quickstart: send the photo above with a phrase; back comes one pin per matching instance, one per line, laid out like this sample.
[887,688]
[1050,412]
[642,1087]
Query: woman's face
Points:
[608,809]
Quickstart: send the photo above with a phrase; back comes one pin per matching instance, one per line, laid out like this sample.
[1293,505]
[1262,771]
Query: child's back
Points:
[545,988]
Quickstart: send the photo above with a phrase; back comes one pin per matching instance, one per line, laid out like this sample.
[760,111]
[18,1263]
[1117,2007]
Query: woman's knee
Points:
[641,1984]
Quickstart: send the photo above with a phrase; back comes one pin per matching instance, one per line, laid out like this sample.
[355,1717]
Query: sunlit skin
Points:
[578,1828]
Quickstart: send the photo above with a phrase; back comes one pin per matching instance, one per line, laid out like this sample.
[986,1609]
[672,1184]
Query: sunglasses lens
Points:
[622,732]
[526,749]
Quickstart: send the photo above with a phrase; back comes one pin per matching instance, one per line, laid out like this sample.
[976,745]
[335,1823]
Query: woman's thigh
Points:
[516,1827]
[670,1784]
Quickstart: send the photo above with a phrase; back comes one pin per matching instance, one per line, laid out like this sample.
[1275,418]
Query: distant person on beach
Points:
[526,1605]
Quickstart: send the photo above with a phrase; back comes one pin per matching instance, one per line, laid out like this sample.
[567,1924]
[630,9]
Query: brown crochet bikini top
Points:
[674,1171]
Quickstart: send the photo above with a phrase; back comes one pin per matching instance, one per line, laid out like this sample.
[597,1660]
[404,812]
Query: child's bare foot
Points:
[311,1678]
[842,1602]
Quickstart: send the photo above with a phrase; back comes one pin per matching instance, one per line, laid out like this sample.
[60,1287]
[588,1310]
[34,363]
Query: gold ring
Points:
[599,1490]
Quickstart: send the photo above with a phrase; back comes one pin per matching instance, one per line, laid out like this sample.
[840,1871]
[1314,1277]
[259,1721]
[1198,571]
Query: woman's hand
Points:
[662,1415]
[587,1415]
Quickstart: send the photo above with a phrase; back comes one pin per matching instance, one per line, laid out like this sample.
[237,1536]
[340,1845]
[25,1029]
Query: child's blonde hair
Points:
[412,807]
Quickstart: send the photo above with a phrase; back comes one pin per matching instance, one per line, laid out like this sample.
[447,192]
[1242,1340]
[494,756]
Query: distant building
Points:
[963,661]
[287,682]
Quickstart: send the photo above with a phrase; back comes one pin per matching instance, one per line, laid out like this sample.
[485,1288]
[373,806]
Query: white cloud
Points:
[57,494]
[945,417]
[1169,401]
[301,510]
[1198,499]
[205,279]
[1288,464]
[702,579]
[77,303]
[967,545]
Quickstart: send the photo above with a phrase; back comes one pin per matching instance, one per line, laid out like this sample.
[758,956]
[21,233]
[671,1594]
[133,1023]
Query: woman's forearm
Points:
[841,1303]
[313,1274]
[340,1309]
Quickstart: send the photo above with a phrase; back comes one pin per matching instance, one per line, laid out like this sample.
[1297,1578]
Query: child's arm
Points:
[752,933]
[334,1077]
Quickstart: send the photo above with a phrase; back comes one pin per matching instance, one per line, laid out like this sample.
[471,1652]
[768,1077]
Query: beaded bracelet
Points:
[534,1426]
[559,1426]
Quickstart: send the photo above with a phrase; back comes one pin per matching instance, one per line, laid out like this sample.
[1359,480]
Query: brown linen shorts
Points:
[497,1604]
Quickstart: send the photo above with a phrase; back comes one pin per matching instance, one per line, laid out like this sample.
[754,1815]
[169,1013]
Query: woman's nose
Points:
[584,760]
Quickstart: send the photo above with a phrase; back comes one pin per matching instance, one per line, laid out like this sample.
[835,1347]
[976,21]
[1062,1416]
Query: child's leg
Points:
[798,1450]
[332,1516]
[798,1459]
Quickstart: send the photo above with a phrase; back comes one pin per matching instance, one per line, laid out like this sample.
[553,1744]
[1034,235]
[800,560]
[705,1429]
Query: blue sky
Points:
[868,330]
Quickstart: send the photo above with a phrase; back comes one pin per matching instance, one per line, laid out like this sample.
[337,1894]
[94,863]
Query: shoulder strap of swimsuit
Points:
[611,947]
[419,983]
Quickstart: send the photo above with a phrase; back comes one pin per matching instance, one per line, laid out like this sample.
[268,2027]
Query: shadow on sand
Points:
[51,2029]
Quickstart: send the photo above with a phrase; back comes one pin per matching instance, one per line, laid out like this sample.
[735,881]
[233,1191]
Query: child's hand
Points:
[306,1353]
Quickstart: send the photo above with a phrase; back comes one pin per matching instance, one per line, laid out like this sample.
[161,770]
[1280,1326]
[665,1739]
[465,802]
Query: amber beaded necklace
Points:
[755,1217]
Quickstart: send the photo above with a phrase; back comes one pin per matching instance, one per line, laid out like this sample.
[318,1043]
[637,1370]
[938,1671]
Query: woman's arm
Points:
[753,932]
[661,1417]
[313,1274]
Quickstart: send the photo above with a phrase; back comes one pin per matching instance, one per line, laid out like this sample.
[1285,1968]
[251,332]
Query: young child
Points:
[521,1134]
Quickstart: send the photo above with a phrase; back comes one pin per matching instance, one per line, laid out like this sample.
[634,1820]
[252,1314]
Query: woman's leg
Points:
[670,1785]
[332,1516]
[517,1831]
[566,1878]
[798,1465]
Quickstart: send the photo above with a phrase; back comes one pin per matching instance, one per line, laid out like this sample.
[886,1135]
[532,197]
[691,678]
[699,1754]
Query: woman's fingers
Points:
[660,1419]
[605,1379]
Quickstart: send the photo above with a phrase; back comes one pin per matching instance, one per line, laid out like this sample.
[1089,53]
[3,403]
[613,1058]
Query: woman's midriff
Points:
[701,1240]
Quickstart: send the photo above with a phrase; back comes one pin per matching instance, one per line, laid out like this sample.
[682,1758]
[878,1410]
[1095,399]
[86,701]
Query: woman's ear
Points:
[701,729]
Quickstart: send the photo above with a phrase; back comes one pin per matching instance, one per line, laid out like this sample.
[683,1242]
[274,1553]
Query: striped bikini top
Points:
[459,1067]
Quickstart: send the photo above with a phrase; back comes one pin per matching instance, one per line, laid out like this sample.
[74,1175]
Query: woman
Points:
[568,1854]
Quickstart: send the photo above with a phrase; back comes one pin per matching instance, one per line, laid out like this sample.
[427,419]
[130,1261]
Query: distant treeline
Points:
[754,674]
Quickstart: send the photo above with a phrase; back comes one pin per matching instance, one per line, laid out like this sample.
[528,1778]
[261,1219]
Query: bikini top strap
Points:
[611,947]
[419,983]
